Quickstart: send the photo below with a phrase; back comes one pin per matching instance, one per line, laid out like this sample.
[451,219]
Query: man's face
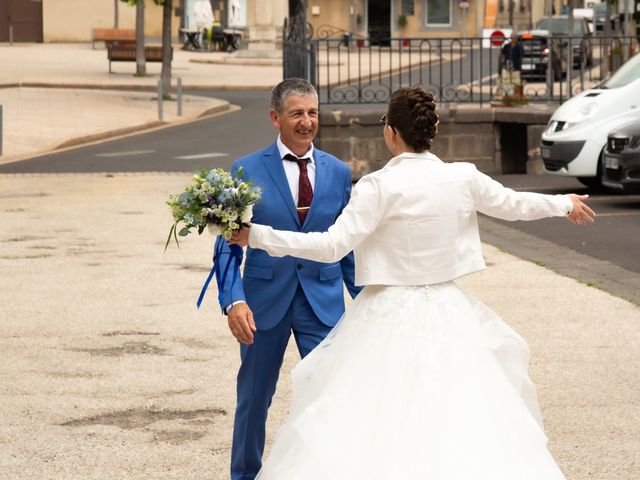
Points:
[298,122]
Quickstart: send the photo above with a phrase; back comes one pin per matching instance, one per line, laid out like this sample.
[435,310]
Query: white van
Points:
[576,135]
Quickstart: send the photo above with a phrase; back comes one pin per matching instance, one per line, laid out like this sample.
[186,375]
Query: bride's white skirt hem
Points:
[420,382]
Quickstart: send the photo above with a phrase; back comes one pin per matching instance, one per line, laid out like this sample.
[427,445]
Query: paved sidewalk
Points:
[109,372]
[56,93]
[76,64]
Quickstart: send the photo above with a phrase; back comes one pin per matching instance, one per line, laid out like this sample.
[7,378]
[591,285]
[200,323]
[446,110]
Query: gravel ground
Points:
[109,372]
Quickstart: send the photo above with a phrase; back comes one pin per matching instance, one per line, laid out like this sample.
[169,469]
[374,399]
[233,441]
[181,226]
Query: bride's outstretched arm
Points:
[358,219]
[492,198]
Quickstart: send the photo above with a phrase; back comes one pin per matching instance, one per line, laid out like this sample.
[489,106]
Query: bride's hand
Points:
[240,237]
[580,213]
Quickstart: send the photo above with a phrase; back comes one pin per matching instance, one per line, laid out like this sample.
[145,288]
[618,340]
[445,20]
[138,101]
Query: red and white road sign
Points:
[497,38]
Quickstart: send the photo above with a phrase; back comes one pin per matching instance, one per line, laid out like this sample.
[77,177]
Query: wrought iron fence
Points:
[463,69]
[299,60]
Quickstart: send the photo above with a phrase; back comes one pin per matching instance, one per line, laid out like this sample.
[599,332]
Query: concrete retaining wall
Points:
[497,140]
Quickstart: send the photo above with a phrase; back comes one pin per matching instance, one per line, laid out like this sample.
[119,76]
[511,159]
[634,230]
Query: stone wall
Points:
[466,133]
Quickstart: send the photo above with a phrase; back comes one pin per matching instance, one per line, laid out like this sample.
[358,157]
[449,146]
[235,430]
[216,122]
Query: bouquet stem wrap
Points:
[235,259]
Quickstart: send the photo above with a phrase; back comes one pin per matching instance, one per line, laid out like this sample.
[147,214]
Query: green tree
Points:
[141,68]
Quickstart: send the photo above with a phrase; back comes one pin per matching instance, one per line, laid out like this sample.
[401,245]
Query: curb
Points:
[85,140]
[77,141]
[136,128]
[249,63]
[587,270]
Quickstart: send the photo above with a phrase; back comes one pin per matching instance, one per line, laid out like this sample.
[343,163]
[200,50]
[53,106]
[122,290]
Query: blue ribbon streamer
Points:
[235,257]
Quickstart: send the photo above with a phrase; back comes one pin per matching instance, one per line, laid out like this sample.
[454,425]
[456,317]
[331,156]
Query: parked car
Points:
[574,141]
[621,158]
[588,14]
[580,37]
[536,51]
[600,16]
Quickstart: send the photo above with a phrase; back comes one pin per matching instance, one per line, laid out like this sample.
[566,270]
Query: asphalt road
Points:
[612,237]
[611,242]
[208,143]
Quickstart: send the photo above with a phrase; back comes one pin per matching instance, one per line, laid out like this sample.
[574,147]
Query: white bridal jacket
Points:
[413,222]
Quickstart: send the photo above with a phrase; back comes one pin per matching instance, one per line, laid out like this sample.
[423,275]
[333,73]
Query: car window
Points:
[627,73]
[580,26]
[560,26]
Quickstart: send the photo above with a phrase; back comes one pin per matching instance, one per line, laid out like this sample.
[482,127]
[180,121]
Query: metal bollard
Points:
[160,100]
[179,96]
[0,130]
[10,34]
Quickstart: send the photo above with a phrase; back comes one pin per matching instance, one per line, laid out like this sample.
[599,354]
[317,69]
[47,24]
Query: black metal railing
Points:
[299,60]
[463,69]
[298,54]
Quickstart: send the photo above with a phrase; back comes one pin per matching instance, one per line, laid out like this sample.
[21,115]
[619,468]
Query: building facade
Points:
[422,18]
[262,20]
[397,18]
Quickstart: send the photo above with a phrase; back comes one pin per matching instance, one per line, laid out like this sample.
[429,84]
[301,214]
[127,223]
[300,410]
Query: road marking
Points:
[616,214]
[201,156]
[539,189]
[484,80]
[129,153]
[592,198]
[615,197]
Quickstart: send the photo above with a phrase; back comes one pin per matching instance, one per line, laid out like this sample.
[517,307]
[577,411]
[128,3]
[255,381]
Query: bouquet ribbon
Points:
[235,257]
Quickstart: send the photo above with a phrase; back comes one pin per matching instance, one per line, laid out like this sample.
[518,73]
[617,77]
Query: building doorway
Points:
[379,22]
[23,18]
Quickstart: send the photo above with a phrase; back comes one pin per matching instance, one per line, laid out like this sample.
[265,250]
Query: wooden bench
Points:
[112,35]
[127,53]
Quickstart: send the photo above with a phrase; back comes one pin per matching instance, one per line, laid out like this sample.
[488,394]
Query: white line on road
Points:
[129,153]
[201,156]
[484,80]
[617,214]
[620,196]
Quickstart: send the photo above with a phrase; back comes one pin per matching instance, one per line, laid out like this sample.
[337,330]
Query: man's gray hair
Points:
[291,86]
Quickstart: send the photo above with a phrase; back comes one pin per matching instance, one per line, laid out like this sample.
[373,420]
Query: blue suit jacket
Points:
[269,283]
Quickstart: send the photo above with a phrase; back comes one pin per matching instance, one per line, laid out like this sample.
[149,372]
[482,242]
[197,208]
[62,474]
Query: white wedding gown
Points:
[415,382]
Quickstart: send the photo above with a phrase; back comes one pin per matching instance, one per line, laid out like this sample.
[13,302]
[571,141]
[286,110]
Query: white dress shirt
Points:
[292,170]
[413,222]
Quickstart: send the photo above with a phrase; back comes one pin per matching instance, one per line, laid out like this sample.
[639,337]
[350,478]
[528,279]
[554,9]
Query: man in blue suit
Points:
[303,190]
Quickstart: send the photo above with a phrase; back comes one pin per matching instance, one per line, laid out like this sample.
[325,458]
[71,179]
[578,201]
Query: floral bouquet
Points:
[214,200]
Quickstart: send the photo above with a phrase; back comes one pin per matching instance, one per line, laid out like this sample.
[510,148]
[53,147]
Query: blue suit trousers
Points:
[258,376]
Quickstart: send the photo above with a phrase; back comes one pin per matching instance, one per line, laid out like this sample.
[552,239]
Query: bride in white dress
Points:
[418,380]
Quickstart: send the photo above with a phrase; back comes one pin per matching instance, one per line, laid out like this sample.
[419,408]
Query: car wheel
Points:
[595,183]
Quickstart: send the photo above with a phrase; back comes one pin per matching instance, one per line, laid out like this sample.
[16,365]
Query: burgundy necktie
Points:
[305,192]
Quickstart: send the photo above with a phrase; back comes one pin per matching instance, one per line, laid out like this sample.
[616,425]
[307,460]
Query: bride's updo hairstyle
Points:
[412,112]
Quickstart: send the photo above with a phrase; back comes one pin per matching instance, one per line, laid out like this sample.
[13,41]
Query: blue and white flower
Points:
[214,200]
